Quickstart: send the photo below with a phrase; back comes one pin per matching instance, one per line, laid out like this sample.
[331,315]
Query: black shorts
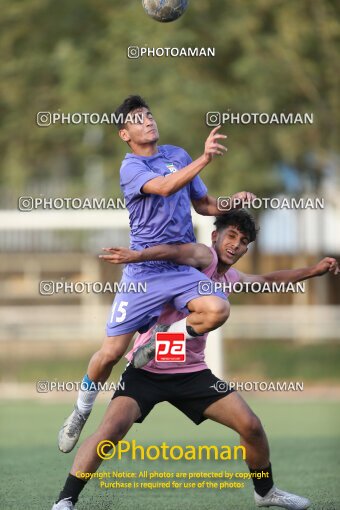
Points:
[191,392]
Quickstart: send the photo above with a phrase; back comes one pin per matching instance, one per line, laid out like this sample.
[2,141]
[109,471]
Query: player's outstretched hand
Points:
[242,199]
[328,264]
[120,255]
[212,147]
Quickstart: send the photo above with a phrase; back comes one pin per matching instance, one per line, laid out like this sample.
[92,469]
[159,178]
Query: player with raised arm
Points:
[191,387]
[159,183]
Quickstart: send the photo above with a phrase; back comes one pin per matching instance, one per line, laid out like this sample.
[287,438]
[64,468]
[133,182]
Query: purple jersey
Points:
[156,219]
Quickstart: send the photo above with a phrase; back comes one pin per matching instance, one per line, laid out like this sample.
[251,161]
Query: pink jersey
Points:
[194,347]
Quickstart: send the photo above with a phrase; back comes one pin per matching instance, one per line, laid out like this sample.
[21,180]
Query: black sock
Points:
[264,483]
[192,332]
[72,488]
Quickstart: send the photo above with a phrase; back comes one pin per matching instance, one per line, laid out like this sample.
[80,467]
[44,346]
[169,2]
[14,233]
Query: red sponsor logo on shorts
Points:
[170,347]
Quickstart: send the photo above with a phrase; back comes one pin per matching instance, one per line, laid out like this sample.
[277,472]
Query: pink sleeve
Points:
[209,271]
[234,275]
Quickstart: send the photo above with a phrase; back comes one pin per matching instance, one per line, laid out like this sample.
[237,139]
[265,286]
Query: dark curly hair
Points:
[128,105]
[240,219]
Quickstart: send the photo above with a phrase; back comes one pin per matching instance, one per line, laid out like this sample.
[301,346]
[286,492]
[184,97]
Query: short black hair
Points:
[240,219]
[128,105]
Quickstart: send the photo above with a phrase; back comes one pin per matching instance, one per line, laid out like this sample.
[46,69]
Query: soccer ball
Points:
[165,10]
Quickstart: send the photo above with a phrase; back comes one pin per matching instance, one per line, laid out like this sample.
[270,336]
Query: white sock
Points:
[87,397]
[181,327]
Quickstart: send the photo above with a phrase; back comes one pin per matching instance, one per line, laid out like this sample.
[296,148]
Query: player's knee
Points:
[253,429]
[113,431]
[216,313]
[111,354]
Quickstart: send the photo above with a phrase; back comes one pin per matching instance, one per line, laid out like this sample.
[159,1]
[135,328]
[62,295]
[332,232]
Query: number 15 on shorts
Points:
[170,347]
[118,314]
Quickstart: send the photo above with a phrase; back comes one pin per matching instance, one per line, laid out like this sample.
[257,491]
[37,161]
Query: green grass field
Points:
[304,439]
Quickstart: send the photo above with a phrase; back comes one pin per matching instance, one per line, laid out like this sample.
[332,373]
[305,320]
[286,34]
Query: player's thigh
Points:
[190,288]
[138,311]
[120,415]
[233,412]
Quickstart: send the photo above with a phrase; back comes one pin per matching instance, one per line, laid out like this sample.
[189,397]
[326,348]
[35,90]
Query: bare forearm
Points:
[189,254]
[290,275]
[171,183]
[121,255]
[178,180]
[326,265]
[159,252]
[209,207]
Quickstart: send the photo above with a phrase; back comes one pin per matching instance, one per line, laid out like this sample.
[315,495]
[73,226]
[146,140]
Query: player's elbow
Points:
[168,189]
[202,207]
[158,186]
[166,193]
[163,191]
[204,211]
[200,210]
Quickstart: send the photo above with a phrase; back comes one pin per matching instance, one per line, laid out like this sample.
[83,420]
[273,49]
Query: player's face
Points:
[142,131]
[230,244]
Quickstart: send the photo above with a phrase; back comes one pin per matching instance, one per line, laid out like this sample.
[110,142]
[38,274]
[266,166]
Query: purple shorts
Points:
[140,300]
